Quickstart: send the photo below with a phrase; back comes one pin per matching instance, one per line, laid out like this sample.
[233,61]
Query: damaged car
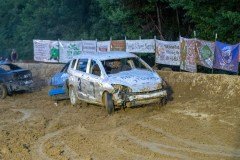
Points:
[114,80]
[58,84]
[14,78]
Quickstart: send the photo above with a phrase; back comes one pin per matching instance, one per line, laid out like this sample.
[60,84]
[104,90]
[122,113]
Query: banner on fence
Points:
[188,54]
[140,46]
[226,57]
[168,52]
[118,45]
[69,49]
[205,53]
[103,46]
[89,46]
[46,50]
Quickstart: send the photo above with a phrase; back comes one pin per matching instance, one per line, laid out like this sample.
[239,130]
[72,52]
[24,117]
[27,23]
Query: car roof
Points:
[106,55]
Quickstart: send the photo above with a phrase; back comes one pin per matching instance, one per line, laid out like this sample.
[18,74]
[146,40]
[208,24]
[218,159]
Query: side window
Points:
[95,69]
[73,63]
[82,65]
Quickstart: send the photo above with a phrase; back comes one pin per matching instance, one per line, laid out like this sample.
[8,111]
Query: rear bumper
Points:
[20,85]
[135,99]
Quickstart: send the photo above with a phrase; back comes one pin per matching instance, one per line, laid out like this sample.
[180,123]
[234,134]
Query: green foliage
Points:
[21,21]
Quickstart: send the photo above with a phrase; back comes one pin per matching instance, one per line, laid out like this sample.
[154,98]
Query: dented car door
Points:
[81,78]
[95,81]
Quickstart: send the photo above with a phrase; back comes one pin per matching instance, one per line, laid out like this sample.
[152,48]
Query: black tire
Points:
[3,91]
[73,97]
[108,102]
[163,101]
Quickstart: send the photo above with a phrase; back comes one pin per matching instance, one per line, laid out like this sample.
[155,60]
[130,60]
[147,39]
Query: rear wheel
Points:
[108,102]
[3,91]
[72,96]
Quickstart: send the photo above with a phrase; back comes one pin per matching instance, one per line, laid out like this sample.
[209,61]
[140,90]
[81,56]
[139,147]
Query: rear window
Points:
[8,67]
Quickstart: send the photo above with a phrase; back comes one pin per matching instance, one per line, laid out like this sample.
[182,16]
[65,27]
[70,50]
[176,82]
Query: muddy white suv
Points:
[113,79]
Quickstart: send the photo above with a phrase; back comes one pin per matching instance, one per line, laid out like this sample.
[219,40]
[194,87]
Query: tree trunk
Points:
[159,26]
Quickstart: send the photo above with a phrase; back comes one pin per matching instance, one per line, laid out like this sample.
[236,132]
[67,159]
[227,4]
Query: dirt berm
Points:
[201,121]
[222,88]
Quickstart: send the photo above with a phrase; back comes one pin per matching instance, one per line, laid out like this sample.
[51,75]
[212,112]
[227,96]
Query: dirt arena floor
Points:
[201,121]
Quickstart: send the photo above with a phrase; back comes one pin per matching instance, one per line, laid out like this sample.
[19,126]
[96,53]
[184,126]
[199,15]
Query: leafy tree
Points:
[21,21]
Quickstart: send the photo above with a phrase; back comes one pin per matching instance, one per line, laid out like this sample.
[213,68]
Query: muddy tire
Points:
[108,102]
[73,97]
[3,91]
[163,101]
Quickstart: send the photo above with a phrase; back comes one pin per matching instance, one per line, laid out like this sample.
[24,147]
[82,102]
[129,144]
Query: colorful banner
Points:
[140,46]
[46,50]
[118,45]
[103,46]
[168,52]
[205,53]
[226,57]
[188,54]
[69,49]
[89,46]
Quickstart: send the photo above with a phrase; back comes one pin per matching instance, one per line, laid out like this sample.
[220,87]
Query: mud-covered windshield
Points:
[114,66]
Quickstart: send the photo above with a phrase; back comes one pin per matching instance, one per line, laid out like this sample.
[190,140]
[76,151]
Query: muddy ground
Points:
[202,121]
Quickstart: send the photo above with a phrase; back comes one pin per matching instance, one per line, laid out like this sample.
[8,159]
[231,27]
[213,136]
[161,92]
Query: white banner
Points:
[46,50]
[168,52]
[69,49]
[89,46]
[103,46]
[140,46]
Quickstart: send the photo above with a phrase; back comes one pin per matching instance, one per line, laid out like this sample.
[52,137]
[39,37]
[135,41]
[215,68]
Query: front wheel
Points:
[72,96]
[163,101]
[108,102]
[3,91]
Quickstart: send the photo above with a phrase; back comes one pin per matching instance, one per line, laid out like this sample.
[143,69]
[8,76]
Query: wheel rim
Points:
[72,97]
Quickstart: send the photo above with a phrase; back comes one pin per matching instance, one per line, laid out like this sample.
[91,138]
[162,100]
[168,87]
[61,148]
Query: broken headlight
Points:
[120,88]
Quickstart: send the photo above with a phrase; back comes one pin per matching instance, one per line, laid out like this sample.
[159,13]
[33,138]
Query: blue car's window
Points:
[82,65]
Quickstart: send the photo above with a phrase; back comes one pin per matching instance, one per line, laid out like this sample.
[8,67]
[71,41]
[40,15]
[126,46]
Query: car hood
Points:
[59,79]
[137,79]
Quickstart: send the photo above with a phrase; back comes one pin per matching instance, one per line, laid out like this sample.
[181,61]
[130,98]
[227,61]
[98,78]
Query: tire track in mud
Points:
[37,152]
[195,147]
[154,147]
[26,115]
[68,152]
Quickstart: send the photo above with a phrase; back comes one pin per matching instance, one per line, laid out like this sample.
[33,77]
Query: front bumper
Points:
[136,99]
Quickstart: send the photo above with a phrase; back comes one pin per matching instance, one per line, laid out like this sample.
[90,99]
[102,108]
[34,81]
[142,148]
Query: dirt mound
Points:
[221,88]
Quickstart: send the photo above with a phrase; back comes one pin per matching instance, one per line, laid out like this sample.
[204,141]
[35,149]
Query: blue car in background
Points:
[14,78]
[58,84]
